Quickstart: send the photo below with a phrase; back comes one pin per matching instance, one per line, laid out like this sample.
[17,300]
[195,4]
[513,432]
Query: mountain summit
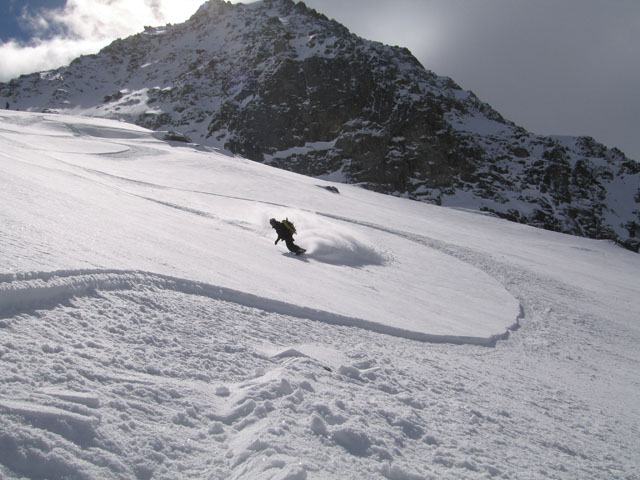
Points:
[280,83]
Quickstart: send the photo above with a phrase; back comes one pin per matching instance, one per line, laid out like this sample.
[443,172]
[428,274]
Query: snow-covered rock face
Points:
[277,82]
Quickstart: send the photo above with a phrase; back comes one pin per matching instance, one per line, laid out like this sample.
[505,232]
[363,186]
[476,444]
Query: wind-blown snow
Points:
[149,328]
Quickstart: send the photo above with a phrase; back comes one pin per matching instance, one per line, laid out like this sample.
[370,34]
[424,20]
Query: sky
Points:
[561,67]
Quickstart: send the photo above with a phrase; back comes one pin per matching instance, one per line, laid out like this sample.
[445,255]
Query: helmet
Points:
[272,221]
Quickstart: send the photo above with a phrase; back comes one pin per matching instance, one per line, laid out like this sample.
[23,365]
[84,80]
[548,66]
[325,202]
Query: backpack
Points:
[289,225]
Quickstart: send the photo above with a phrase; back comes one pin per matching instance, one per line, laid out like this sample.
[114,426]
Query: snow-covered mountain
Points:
[277,82]
[150,328]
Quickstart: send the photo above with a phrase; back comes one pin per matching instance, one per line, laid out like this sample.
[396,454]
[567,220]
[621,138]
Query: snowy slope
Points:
[222,207]
[151,329]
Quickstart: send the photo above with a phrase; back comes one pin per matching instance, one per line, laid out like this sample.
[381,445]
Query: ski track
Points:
[26,294]
[36,290]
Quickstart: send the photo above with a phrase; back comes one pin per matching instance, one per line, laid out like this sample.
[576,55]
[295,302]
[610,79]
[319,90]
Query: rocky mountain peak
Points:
[280,83]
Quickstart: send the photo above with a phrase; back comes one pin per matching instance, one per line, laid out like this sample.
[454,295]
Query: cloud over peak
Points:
[80,27]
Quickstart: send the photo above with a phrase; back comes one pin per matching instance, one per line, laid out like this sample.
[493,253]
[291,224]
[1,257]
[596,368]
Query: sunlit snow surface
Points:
[118,198]
[150,328]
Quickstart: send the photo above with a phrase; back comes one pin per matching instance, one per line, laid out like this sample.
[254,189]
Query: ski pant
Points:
[291,246]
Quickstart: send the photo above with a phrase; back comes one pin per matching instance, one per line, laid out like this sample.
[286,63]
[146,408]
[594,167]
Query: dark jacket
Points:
[285,234]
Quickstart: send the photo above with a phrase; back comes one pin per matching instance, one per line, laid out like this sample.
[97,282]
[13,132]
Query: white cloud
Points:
[17,59]
[83,27]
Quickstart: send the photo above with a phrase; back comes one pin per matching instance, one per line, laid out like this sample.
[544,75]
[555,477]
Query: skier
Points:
[285,231]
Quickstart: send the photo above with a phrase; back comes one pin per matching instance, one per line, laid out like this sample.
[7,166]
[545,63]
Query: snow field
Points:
[150,329]
[222,207]
[148,381]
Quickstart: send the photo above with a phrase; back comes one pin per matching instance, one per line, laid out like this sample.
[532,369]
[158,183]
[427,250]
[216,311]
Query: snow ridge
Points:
[36,290]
